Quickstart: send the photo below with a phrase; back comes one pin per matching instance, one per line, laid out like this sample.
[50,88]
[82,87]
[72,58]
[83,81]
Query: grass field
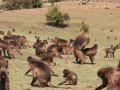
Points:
[100,20]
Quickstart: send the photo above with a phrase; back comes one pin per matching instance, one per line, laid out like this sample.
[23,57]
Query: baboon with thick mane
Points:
[69,76]
[110,78]
[81,40]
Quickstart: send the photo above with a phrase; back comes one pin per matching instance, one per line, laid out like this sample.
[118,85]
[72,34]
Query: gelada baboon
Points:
[69,76]
[79,56]
[41,74]
[4,79]
[110,78]
[81,40]
[6,46]
[91,52]
[110,51]
[48,59]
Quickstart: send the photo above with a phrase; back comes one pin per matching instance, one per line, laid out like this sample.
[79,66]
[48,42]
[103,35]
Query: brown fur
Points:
[4,79]
[40,49]
[81,40]
[91,52]
[79,56]
[69,76]
[54,50]
[110,51]
[6,46]
[41,73]
[110,78]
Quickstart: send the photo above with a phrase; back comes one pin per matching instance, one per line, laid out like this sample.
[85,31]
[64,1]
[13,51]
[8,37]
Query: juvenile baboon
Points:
[69,76]
[7,47]
[91,52]
[59,41]
[41,73]
[48,58]
[54,50]
[110,51]
[40,49]
[81,40]
[4,79]
[110,78]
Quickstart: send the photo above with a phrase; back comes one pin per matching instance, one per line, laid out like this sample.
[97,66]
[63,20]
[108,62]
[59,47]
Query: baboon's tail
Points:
[53,86]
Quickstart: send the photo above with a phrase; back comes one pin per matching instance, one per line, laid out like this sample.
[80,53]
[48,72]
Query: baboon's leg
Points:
[33,81]
[91,59]
[4,52]
[107,54]
[113,54]
[27,71]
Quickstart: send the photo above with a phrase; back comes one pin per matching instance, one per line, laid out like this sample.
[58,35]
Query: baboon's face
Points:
[65,72]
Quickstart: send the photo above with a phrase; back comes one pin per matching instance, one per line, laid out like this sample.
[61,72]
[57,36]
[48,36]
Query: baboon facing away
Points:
[81,40]
[69,76]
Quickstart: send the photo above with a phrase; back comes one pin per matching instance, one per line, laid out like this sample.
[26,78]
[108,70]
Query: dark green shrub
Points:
[55,17]
[19,4]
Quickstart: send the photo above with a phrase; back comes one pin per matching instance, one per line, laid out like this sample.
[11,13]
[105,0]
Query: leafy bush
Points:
[84,26]
[55,17]
[19,4]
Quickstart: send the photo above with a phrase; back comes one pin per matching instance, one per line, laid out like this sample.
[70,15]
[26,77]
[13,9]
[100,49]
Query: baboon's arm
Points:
[102,86]
[63,82]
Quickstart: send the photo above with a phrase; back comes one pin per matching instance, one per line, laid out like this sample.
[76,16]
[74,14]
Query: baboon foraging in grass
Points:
[48,60]
[41,73]
[91,52]
[4,79]
[110,51]
[69,76]
[110,78]
[54,50]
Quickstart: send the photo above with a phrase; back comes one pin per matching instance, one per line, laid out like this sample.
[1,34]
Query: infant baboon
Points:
[69,76]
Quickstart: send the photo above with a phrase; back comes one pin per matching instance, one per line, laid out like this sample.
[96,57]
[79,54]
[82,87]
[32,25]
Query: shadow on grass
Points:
[84,63]
[58,26]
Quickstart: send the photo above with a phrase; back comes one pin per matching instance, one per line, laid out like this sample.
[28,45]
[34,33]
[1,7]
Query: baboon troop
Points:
[45,51]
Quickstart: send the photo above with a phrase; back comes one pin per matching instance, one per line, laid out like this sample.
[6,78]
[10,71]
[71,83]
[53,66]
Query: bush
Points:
[84,26]
[19,4]
[56,18]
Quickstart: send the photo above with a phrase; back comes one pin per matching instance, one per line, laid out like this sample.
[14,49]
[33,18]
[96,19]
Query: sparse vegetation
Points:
[84,26]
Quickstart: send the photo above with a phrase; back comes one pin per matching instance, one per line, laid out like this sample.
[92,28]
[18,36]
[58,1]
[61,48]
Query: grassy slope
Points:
[96,17]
